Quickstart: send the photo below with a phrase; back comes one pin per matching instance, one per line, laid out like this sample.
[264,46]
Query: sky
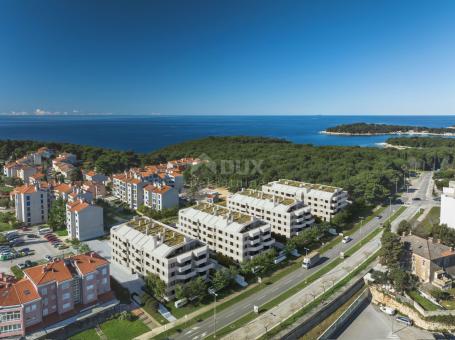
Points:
[227,57]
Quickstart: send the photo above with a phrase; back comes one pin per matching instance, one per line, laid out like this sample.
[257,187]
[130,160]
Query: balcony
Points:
[186,276]
[256,248]
[204,268]
[184,268]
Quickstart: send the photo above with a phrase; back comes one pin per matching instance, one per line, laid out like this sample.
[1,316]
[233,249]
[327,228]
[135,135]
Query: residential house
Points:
[159,197]
[84,221]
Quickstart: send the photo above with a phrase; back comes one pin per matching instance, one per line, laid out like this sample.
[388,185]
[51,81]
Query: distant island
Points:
[372,129]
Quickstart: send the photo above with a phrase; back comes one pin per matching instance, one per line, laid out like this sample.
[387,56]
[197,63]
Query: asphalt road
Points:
[232,313]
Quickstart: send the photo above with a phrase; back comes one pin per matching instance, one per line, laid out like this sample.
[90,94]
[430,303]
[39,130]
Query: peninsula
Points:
[371,129]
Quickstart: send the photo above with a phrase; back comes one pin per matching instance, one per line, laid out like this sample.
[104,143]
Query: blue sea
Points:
[148,133]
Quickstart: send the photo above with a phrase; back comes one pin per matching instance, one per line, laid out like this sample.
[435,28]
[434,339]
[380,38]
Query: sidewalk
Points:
[285,309]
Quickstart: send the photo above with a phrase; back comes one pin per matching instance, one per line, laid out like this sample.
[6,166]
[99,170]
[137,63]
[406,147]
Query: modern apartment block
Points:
[84,221]
[32,203]
[159,197]
[52,291]
[232,234]
[146,246]
[286,216]
[129,188]
[324,200]
[448,205]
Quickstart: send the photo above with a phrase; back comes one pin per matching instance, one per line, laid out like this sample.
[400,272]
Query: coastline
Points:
[409,133]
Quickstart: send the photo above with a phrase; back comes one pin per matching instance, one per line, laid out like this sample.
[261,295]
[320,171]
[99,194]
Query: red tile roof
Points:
[78,206]
[89,262]
[157,189]
[63,187]
[25,189]
[53,271]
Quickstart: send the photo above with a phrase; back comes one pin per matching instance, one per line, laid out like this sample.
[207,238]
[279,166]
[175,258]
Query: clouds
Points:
[43,112]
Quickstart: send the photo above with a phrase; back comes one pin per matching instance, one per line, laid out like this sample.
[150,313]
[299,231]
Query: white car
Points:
[388,310]
[346,239]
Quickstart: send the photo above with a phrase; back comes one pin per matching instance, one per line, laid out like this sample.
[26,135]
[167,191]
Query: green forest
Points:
[367,128]
[369,174]
[423,142]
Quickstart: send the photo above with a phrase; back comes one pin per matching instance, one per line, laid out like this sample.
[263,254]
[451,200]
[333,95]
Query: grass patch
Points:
[18,273]
[448,304]
[5,226]
[123,329]
[62,232]
[425,227]
[150,306]
[425,303]
[89,334]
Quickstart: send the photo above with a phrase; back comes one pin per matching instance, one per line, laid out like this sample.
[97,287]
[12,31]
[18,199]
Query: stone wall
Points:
[381,298]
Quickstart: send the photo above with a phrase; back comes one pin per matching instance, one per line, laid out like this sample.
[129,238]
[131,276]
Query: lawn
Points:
[5,226]
[123,329]
[89,334]
[425,227]
[150,307]
[425,303]
[18,273]
[448,304]
[62,232]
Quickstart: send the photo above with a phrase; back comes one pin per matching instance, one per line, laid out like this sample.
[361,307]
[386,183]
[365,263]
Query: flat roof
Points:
[171,237]
[299,184]
[218,210]
[261,195]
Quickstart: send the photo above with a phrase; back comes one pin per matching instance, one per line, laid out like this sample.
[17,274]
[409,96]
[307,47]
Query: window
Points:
[45,311]
[66,305]
[10,328]
[66,296]
[65,285]
[90,296]
[90,277]
[104,281]
[44,291]
[10,316]
[89,287]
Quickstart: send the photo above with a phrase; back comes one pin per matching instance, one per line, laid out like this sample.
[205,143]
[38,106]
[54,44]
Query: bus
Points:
[43,231]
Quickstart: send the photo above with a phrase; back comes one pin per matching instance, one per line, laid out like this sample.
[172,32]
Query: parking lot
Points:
[39,245]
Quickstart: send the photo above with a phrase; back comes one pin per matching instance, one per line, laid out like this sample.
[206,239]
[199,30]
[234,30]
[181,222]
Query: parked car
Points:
[12,237]
[32,236]
[21,265]
[63,246]
[25,250]
[403,319]
[28,263]
[388,310]
[346,239]
[25,229]
[17,242]
[48,258]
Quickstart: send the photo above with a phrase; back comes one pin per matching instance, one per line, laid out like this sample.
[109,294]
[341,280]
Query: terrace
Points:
[214,209]
[169,236]
[268,197]
[298,184]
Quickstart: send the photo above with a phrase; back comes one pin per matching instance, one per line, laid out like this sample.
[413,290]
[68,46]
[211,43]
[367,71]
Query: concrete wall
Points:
[448,210]
[324,312]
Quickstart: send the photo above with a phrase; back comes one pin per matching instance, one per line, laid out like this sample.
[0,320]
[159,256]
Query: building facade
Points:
[84,221]
[56,288]
[447,216]
[32,204]
[149,247]
[232,234]
[159,197]
[324,200]
[286,216]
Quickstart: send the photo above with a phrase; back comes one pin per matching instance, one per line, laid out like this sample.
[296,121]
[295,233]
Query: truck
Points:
[310,260]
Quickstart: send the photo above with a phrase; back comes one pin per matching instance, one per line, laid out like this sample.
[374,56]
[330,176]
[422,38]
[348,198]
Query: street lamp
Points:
[212,291]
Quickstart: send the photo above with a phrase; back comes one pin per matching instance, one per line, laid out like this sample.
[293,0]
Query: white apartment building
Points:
[145,246]
[447,215]
[159,197]
[324,200]
[84,221]
[31,204]
[25,172]
[286,216]
[129,189]
[232,234]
